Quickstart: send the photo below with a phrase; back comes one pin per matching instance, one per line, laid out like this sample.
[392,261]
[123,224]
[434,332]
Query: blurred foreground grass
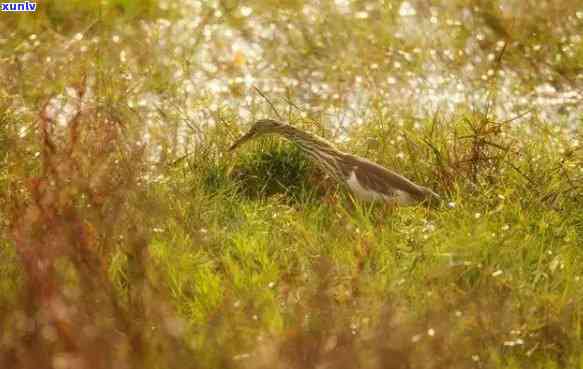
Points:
[119,251]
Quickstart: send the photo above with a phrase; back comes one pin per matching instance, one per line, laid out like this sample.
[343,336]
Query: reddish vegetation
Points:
[65,228]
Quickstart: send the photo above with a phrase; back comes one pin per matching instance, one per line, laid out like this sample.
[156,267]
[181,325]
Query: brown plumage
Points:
[367,180]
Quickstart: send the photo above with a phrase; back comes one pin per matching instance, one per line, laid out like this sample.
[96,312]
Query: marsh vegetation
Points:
[131,238]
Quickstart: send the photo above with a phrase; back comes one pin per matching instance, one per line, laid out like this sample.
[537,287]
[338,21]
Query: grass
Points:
[120,253]
[257,264]
[502,257]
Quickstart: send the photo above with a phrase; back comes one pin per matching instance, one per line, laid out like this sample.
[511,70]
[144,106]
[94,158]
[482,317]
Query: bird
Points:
[367,180]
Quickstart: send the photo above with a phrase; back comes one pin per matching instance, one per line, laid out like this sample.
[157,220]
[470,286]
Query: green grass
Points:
[254,259]
[245,246]
[506,250]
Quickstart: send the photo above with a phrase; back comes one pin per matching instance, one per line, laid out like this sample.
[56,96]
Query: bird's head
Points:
[260,128]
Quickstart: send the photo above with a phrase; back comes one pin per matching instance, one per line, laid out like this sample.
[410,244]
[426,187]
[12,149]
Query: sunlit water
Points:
[432,87]
[228,65]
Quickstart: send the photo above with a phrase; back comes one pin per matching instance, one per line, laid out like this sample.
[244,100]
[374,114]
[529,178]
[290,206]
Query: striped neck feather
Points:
[320,150]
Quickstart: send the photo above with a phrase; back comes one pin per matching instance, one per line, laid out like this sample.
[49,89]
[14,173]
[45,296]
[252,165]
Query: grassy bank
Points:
[257,255]
[124,244]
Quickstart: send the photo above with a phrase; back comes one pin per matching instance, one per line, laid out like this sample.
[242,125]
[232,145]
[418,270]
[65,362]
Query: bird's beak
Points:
[241,141]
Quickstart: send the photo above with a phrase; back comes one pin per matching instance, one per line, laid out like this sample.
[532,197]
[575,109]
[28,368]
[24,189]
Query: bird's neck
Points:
[322,151]
[306,140]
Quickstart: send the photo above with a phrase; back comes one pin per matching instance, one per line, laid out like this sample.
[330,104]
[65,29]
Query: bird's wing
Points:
[379,179]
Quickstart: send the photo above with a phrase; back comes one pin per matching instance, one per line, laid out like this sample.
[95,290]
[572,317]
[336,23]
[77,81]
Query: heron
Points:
[367,180]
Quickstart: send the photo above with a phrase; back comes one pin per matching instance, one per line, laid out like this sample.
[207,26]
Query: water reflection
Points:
[260,53]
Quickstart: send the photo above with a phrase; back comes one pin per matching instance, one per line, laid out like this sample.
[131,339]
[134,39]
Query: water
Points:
[331,61]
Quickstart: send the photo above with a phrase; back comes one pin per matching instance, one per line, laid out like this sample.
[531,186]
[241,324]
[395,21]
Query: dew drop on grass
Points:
[241,356]
[361,15]
[246,11]
[497,273]
[407,10]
